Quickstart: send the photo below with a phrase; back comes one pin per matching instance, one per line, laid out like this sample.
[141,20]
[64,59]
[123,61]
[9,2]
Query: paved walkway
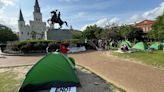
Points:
[8,61]
[130,76]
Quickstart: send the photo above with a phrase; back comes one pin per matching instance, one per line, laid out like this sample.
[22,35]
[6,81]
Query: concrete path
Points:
[9,61]
[130,76]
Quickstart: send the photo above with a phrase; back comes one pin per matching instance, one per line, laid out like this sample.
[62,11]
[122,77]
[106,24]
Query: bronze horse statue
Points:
[56,19]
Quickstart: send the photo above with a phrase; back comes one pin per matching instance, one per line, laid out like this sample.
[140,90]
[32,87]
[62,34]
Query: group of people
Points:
[61,48]
[124,48]
[103,44]
[106,44]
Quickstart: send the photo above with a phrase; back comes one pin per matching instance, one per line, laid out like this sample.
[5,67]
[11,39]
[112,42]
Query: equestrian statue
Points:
[56,19]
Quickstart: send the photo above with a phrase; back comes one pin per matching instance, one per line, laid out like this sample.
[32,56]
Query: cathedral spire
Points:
[21,16]
[36,7]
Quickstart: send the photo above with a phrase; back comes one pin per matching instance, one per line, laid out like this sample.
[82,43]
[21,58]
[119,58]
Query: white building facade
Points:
[36,28]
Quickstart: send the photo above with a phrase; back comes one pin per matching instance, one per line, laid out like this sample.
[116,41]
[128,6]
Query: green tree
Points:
[105,33]
[77,35]
[161,35]
[131,32]
[159,23]
[153,34]
[114,33]
[125,31]
[135,33]
[92,32]
[158,29]
[6,34]
[98,32]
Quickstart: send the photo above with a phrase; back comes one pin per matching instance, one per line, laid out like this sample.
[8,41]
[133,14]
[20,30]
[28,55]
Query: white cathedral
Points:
[36,28]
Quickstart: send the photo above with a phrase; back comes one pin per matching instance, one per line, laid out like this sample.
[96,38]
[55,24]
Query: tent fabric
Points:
[140,46]
[127,43]
[54,70]
[156,46]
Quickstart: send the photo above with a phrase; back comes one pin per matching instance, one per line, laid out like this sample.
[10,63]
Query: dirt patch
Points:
[130,76]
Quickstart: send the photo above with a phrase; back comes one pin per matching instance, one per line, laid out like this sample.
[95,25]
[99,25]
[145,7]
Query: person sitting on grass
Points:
[126,48]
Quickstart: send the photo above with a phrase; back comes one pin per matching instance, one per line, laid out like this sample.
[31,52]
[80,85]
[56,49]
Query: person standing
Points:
[47,49]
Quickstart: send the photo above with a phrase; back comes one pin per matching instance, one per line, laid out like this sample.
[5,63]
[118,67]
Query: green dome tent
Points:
[162,45]
[156,46]
[140,46]
[54,70]
[127,43]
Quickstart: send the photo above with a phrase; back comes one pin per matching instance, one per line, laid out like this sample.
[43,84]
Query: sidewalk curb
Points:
[32,54]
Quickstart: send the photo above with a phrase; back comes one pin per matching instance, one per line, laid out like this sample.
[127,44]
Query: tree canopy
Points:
[77,35]
[6,34]
[157,33]
[113,32]
[92,32]
[129,32]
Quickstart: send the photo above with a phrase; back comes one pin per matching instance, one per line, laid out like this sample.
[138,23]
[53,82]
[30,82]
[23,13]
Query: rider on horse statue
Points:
[56,19]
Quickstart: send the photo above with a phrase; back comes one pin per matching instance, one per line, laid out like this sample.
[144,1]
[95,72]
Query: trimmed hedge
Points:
[32,46]
[48,41]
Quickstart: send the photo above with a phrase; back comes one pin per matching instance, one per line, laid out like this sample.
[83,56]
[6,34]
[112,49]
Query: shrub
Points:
[41,45]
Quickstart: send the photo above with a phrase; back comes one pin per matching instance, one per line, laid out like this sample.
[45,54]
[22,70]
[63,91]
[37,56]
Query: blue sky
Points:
[80,13]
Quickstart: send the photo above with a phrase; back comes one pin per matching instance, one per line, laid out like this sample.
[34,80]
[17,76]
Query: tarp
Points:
[127,43]
[77,49]
[156,46]
[140,46]
[54,70]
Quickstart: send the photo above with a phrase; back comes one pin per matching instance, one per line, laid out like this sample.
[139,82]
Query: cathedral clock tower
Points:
[37,14]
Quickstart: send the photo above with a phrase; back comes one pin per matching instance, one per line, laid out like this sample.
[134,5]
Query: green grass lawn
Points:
[9,81]
[155,58]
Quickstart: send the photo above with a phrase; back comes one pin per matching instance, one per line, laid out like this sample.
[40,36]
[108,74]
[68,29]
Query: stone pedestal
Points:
[59,34]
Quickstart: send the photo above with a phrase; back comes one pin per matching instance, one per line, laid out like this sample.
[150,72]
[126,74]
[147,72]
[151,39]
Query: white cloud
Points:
[103,22]
[151,14]
[114,20]
[11,22]
[84,27]
[81,14]
[68,0]
[133,19]
[4,3]
[8,2]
